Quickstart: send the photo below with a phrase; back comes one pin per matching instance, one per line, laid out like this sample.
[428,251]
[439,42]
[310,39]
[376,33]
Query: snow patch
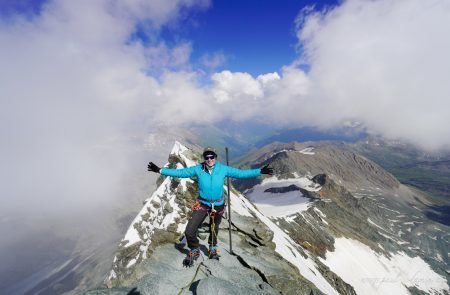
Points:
[290,218]
[178,148]
[322,216]
[131,262]
[388,209]
[374,224]
[276,153]
[320,212]
[307,151]
[282,204]
[112,275]
[371,273]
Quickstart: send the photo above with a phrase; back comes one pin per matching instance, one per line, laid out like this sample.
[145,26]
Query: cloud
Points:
[213,61]
[230,85]
[382,63]
[268,98]
[75,94]
[379,63]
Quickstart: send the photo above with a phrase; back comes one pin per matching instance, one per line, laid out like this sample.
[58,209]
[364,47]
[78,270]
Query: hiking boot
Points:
[213,252]
[193,255]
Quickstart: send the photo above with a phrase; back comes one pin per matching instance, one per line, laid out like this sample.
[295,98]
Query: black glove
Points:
[267,170]
[152,167]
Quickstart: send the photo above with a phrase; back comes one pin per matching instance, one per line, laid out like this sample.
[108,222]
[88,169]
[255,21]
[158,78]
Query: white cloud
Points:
[162,57]
[213,61]
[155,12]
[268,78]
[383,63]
[229,86]
[73,90]
[183,101]
[269,98]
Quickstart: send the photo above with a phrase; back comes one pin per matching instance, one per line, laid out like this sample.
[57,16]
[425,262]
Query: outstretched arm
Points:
[239,173]
[249,173]
[181,173]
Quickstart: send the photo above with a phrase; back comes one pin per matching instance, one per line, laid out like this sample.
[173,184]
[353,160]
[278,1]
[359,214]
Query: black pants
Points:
[198,216]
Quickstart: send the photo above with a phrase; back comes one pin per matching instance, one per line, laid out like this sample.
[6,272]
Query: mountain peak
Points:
[178,148]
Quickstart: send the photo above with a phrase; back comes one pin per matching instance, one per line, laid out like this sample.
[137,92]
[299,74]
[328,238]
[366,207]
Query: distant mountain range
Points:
[429,171]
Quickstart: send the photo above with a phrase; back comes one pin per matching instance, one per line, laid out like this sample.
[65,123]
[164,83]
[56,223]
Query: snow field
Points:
[282,204]
[370,273]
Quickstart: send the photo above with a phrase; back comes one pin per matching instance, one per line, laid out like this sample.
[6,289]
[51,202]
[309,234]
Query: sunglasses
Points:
[209,157]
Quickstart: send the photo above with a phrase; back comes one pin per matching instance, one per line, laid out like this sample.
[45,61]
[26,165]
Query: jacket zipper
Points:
[210,185]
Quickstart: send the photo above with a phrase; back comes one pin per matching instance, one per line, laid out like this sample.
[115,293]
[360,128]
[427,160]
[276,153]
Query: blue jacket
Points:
[210,186]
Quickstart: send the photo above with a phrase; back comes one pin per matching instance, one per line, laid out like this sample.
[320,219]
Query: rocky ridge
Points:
[264,259]
[281,253]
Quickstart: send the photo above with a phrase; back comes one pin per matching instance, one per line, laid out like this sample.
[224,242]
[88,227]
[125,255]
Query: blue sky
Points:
[28,7]
[255,36]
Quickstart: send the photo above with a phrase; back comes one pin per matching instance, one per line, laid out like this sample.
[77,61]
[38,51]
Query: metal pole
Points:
[229,202]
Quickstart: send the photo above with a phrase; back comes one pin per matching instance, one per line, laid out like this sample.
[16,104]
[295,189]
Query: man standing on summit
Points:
[211,201]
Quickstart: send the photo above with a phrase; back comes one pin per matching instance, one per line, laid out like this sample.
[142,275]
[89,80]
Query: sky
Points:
[77,77]
[256,37]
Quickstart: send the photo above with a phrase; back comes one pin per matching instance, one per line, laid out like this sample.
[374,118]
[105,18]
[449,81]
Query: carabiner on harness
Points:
[213,211]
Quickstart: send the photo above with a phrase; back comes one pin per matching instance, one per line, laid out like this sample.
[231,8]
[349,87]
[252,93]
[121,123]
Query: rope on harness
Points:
[212,217]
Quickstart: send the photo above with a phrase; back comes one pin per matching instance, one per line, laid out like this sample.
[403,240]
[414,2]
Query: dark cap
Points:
[209,151]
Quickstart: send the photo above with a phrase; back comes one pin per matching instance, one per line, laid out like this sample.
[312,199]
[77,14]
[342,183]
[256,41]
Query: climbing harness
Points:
[198,206]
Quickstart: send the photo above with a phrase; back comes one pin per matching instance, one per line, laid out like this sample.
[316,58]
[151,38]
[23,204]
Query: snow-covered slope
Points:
[374,257]
[372,273]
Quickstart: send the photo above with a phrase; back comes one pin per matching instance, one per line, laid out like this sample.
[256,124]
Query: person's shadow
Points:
[134,291]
